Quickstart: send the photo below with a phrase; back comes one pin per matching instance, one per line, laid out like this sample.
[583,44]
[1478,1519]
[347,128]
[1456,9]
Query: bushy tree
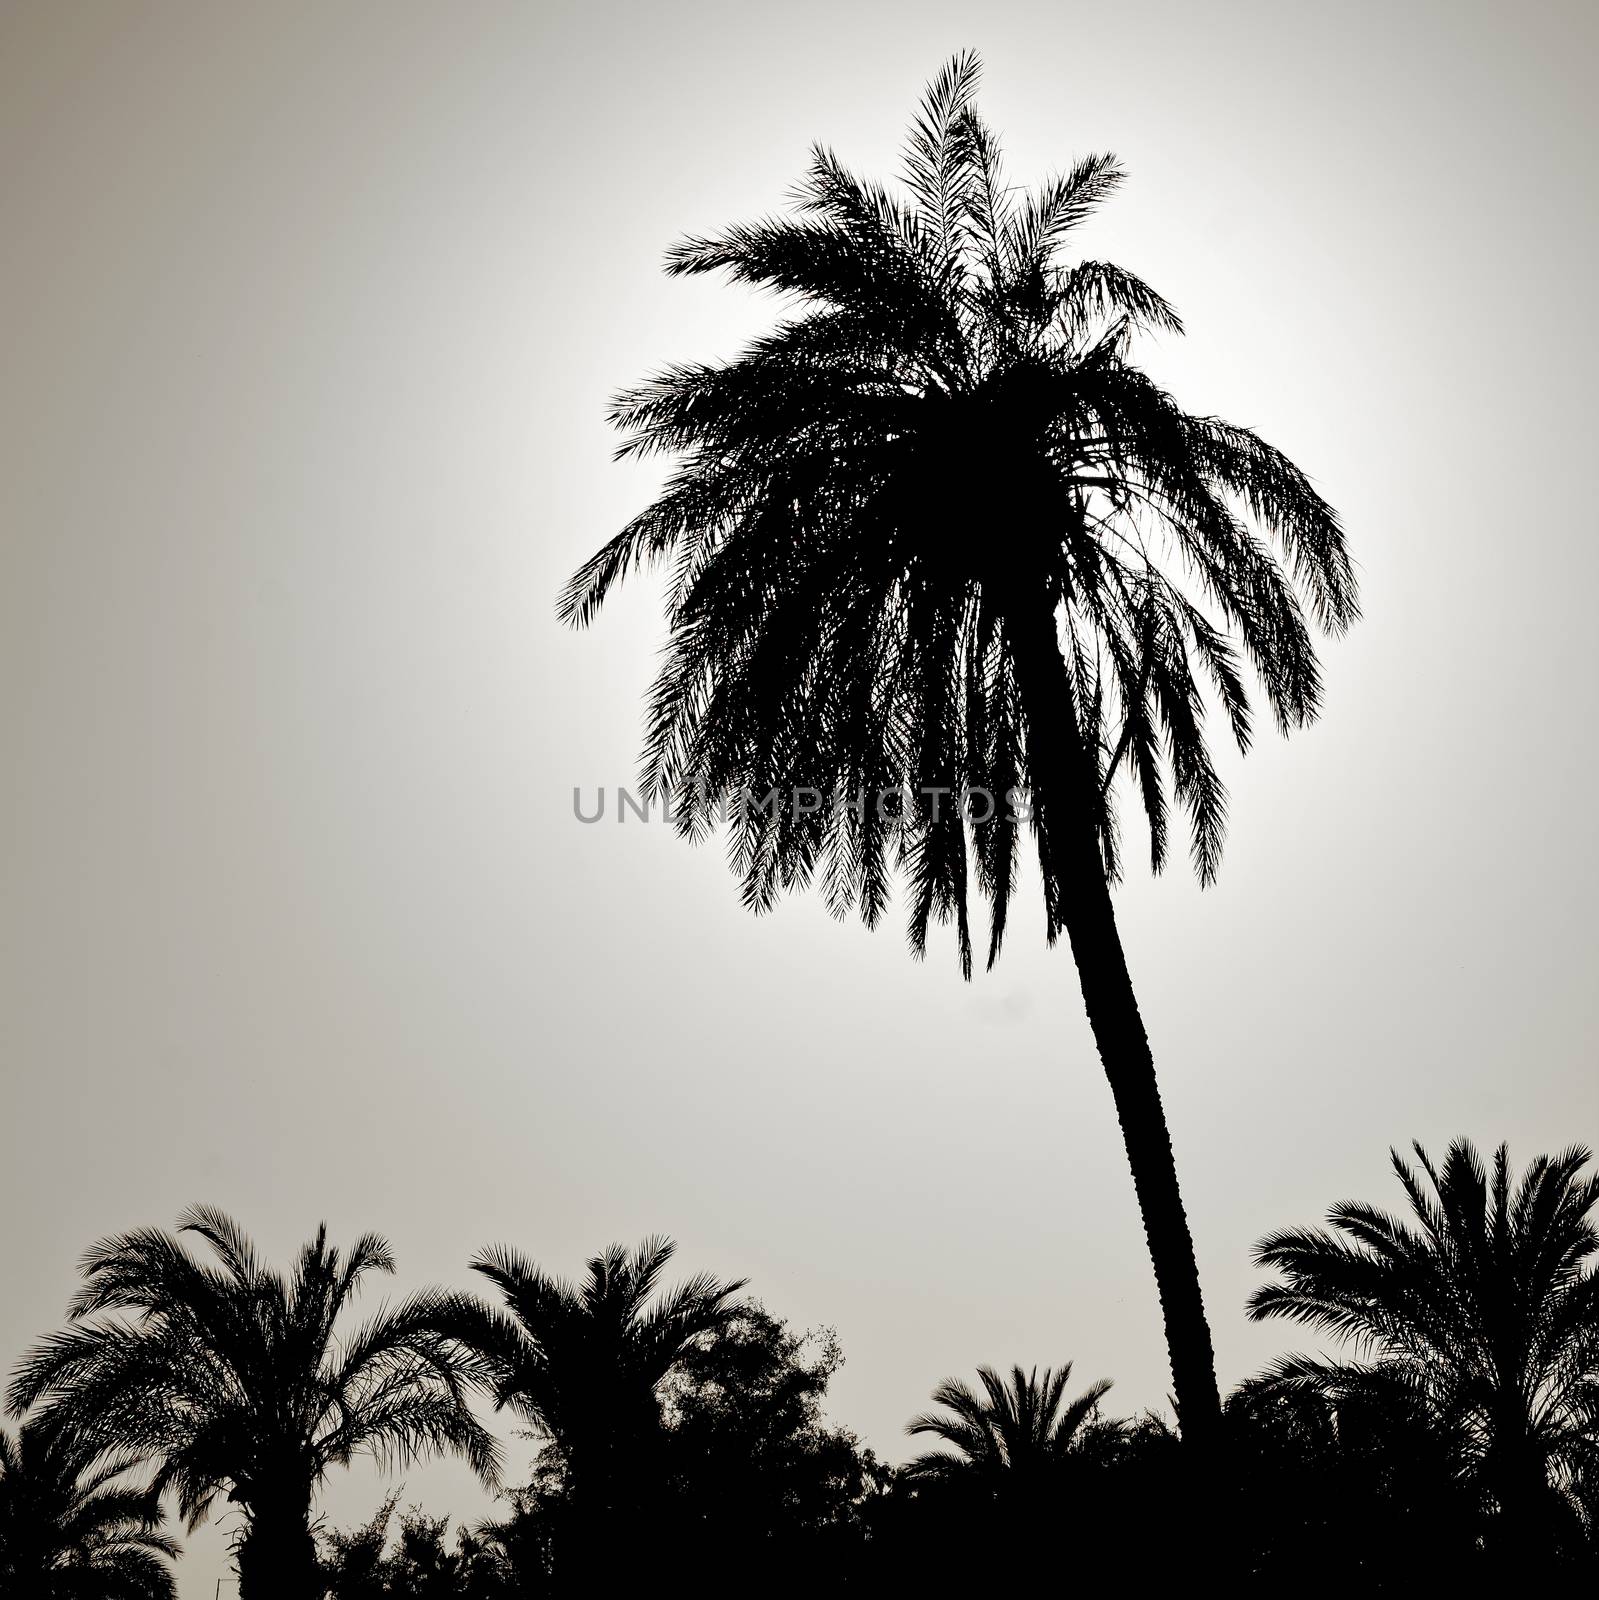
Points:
[420,1560]
[685,1421]
[753,1469]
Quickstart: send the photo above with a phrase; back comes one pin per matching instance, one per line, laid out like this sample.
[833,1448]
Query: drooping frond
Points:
[585,1363]
[74,1521]
[878,513]
[1480,1306]
[226,1378]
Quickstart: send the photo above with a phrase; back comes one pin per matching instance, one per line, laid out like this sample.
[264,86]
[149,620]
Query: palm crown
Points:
[235,1377]
[584,1363]
[72,1525]
[1021,1425]
[1484,1304]
[887,514]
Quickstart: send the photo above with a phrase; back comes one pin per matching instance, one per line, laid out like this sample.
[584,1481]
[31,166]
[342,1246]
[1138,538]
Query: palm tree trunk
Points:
[1065,786]
[277,1556]
[1130,1068]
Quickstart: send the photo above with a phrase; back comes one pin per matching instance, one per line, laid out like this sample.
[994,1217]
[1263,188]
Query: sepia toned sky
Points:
[308,317]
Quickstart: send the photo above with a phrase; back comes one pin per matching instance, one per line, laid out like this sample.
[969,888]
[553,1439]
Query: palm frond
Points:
[942,452]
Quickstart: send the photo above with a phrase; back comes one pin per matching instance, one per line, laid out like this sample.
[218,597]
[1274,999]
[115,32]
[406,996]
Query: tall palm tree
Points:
[1014,1428]
[946,566]
[72,1527]
[1483,1304]
[237,1380]
[585,1364]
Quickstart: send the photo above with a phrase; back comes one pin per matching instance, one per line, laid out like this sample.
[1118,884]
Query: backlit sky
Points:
[308,317]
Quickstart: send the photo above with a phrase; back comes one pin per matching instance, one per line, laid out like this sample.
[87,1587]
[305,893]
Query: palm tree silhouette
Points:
[72,1527]
[935,538]
[1015,1453]
[584,1364]
[1481,1307]
[236,1379]
[1018,1427]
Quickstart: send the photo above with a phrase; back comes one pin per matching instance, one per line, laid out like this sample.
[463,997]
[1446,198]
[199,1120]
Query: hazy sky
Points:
[309,314]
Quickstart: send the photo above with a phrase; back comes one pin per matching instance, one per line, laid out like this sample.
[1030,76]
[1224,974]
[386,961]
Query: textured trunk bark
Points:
[1066,783]
[1130,1069]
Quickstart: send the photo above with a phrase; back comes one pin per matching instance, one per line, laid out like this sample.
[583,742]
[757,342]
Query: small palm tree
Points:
[937,545]
[72,1527]
[585,1364]
[236,1379]
[1483,1305]
[1016,1428]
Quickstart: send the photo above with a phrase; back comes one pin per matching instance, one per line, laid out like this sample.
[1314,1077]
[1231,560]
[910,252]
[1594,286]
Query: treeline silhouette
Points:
[682,1438]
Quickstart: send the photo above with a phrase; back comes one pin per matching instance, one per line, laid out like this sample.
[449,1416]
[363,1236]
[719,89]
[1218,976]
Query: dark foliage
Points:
[422,1560]
[234,1379]
[752,1471]
[685,1419]
[1020,1468]
[682,1429]
[1012,1429]
[73,1526]
[584,1365]
[876,506]
[1477,1321]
